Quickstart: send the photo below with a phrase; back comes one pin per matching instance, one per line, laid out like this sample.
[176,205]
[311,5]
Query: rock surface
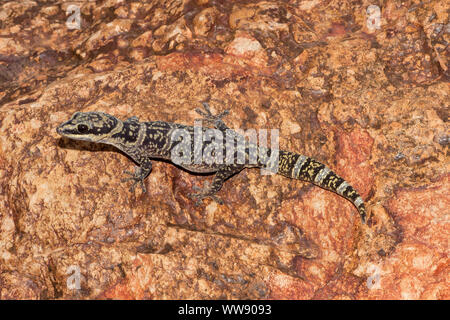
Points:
[366,94]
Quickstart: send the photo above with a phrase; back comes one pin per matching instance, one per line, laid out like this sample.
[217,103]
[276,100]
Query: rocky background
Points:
[359,85]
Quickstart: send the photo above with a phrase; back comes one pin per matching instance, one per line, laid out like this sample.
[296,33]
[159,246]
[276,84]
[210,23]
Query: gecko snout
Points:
[59,129]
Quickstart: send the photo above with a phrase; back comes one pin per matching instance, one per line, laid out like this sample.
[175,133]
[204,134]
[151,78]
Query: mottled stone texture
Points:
[371,103]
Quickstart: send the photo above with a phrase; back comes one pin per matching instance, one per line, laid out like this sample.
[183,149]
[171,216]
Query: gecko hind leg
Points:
[209,190]
[216,120]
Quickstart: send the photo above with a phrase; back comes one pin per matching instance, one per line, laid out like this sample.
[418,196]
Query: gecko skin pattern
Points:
[143,141]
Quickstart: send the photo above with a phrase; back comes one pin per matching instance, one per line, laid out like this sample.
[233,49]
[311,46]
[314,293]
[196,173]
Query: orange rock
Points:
[371,105]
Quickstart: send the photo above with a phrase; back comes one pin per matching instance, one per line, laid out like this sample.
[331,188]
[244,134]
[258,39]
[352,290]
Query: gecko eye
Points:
[82,128]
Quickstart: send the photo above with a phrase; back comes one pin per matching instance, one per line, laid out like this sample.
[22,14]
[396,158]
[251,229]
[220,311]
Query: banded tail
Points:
[301,167]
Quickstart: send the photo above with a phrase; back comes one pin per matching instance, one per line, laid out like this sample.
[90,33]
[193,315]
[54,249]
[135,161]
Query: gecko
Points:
[145,141]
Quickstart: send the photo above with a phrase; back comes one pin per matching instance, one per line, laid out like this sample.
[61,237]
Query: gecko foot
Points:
[137,177]
[203,193]
[210,118]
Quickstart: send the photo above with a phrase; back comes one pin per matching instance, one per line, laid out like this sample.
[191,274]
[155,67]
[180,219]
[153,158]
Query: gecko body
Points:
[144,141]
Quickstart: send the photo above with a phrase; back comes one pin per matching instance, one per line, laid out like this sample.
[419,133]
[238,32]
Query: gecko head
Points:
[88,126]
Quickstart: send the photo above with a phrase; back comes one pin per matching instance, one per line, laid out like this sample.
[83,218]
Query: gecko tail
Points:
[304,168]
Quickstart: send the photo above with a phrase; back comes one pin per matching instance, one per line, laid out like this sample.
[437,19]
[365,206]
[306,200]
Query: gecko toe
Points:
[136,177]
[144,189]
[199,197]
[196,198]
[217,199]
[214,198]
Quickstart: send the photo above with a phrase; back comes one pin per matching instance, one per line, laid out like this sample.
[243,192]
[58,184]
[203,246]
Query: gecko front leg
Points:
[140,173]
[210,190]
